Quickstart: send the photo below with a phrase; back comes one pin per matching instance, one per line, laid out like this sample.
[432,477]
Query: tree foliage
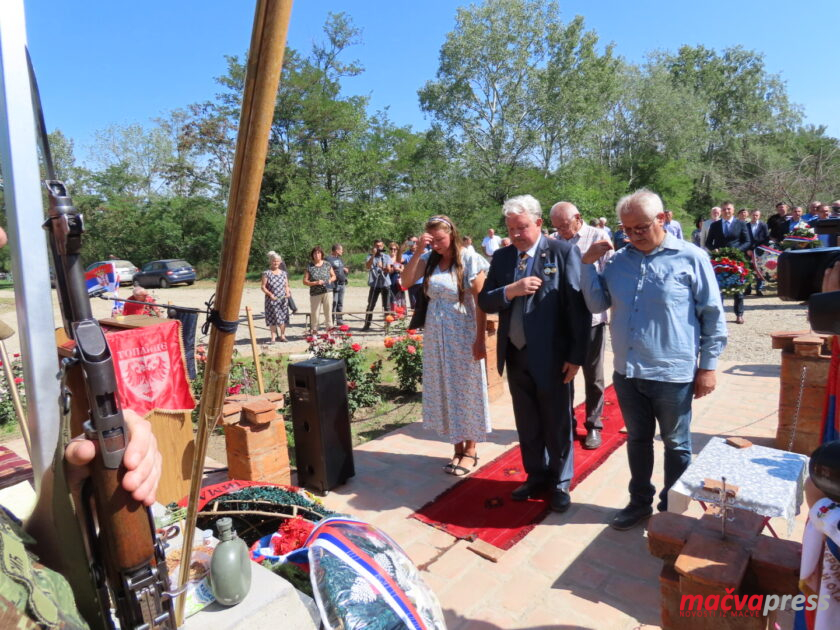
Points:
[523,101]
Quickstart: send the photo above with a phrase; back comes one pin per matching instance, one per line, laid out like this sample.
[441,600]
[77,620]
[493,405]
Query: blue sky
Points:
[102,62]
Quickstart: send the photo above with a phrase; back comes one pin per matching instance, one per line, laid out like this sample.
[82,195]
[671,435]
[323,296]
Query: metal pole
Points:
[255,350]
[25,211]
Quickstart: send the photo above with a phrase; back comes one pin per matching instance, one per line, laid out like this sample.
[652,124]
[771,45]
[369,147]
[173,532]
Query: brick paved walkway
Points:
[572,570]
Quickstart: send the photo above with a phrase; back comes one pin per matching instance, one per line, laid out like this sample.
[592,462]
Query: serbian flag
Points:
[150,370]
[102,278]
[831,419]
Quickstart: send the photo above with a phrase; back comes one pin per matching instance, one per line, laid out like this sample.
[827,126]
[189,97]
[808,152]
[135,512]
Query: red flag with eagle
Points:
[150,369]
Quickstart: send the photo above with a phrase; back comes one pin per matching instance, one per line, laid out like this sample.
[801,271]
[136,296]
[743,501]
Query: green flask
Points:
[230,566]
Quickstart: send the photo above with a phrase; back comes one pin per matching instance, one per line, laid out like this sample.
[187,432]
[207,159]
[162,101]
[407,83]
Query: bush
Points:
[7,407]
[362,382]
[406,351]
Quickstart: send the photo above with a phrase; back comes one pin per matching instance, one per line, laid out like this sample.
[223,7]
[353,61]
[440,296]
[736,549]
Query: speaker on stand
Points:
[321,423]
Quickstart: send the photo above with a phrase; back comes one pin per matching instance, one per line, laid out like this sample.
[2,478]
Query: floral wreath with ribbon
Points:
[732,270]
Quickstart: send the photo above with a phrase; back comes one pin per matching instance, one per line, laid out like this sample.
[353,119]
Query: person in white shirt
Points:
[571,227]
[491,242]
[714,215]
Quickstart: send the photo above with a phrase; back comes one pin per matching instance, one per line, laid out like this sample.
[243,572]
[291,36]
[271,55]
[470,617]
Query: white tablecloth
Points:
[771,482]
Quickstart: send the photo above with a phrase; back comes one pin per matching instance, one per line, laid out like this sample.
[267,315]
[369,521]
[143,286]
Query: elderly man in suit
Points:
[730,232]
[759,236]
[534,285]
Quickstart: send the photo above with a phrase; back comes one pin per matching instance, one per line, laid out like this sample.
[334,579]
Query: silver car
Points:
[125,268]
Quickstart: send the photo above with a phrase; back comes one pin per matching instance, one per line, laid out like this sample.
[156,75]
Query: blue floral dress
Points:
[454,385]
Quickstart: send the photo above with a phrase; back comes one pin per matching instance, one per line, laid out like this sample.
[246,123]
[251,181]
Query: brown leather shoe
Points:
[739,319]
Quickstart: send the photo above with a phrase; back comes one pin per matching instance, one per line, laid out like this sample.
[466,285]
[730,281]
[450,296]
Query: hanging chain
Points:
[798,406]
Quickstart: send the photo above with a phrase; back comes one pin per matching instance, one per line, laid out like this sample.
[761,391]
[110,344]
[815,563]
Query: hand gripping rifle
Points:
[131,565]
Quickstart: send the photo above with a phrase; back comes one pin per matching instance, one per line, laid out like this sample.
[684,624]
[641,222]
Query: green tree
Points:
[486,83]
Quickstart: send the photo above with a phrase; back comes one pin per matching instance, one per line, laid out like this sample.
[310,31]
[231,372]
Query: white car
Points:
[125,268]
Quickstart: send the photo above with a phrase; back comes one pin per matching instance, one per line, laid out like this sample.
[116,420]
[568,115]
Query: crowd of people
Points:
[555,293]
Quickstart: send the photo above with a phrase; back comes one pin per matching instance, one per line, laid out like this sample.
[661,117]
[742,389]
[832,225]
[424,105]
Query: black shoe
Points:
[631,516]
[747,291]
[593,439]
[366,327]
[759,293]
[560,501]
[527,490]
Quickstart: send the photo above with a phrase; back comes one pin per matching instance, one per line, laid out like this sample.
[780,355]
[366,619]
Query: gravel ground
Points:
[748,343]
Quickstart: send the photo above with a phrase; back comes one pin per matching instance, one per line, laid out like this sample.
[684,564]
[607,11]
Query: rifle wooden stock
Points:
[123,522]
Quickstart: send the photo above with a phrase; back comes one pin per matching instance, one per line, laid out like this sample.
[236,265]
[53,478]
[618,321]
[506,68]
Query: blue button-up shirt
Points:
[666,310]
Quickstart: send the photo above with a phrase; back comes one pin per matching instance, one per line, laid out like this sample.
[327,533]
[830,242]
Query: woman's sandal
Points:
[449,468]
[461,471]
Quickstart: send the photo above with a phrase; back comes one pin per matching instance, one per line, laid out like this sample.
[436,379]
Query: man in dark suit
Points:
[759,236]
[730,232]
[534,285]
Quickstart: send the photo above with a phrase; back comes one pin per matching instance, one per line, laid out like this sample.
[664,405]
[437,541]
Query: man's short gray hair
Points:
[643,199]
[522,204]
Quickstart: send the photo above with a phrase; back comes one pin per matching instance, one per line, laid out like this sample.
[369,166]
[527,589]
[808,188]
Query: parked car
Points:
[125,268]
[165,273]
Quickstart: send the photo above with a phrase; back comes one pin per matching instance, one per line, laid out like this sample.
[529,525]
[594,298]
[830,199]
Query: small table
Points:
[771,482]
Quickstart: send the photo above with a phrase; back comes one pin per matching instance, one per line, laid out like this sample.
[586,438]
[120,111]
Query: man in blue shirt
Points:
[666,311]
[673,226]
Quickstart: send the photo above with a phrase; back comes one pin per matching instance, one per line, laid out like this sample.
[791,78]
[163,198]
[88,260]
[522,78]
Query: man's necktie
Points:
[517,317]
[726,228]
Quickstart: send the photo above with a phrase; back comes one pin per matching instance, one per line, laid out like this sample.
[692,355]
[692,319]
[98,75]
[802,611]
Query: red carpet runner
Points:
[480,505]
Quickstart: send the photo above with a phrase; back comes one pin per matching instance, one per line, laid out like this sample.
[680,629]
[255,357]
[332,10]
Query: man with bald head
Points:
[566,218]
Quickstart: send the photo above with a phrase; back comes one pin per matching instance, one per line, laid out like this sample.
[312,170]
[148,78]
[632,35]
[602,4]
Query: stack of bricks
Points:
[255,437]
[708,582]
[804,376]
[495,386]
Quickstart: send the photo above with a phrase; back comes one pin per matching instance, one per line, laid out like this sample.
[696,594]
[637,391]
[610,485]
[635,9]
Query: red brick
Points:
[231,413]
[245,438]
[775,565]
[259,411]
[667,534]
[274,397]
[272,467]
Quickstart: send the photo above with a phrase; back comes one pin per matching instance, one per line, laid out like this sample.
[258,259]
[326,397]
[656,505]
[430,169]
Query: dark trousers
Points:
[644,403]
[593,379]
[543,422]
[373,295]
[738,303]
[413,292]
[338,302]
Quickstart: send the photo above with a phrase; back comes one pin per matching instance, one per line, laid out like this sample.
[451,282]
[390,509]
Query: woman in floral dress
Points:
[275,285]
[454,382]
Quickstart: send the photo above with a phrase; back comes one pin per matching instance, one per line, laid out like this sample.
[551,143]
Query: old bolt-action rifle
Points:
[129,564]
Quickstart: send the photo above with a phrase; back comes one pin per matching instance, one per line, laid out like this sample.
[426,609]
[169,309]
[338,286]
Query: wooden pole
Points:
[254,350]
[265,61]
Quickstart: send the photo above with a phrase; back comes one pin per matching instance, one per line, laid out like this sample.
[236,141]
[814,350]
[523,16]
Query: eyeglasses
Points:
[638,231]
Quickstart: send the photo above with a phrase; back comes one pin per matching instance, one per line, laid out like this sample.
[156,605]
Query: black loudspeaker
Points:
[321,421]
